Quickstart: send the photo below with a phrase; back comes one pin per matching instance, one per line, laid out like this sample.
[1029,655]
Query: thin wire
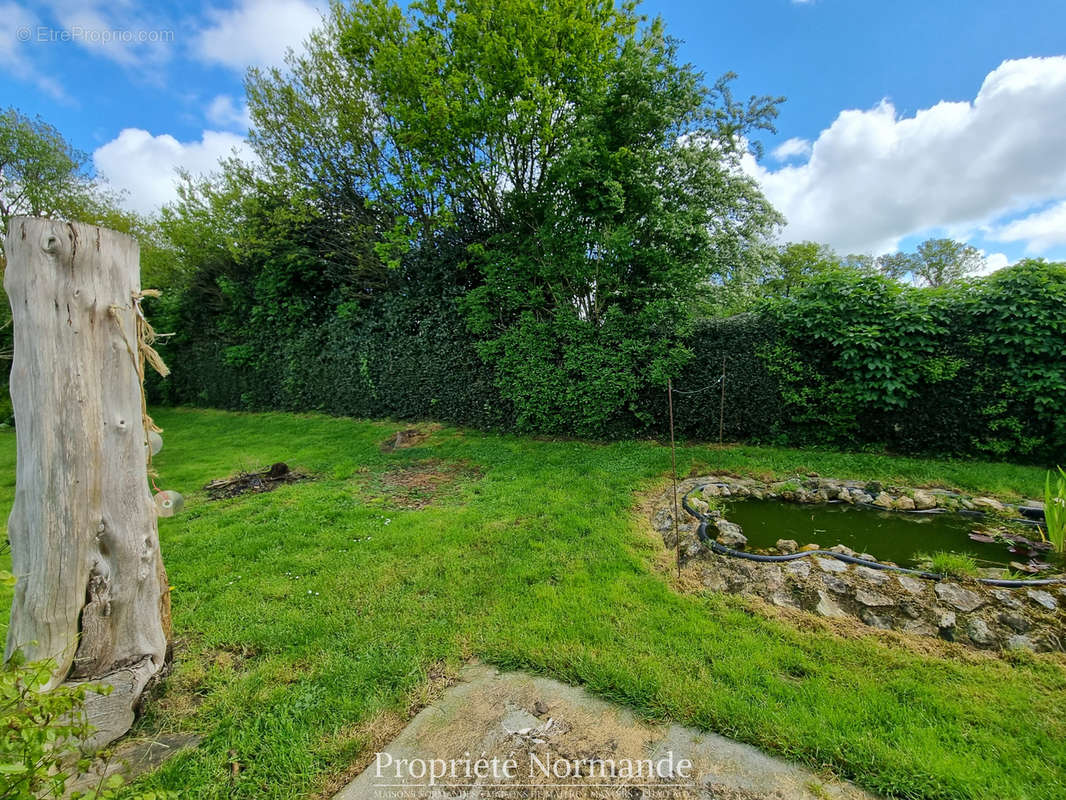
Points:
[697,391]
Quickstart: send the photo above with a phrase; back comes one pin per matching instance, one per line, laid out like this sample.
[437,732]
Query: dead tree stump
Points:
[91,592]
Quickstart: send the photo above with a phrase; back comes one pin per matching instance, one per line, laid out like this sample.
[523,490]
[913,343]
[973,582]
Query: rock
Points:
[699,505]
[827,608]
[715,581]
[1016,622]
[844,550]
[772,577]
[946,620]
[883,500]
[539,708]
[911,609]
[692,547]
[807,548]
[784,599]
[1043,598]
[730,535]
[958,598]
[836,585]
[867,557]
[988,504]
[874,488]
[875,620]
[1007,598]
[872,599]
[904,503]
[1020,642]
[663,521]
[909,584]
[875,576]
[980,634]
[831,564]
[787,545]
[923,501]
[919,627]
[800,567]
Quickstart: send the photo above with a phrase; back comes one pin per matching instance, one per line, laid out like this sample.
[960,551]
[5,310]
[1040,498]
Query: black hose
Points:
[721,549]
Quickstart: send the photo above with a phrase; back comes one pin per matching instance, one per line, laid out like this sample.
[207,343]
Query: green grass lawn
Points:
[309,618]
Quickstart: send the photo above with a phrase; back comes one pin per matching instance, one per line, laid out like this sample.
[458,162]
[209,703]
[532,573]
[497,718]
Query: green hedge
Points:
[853,360]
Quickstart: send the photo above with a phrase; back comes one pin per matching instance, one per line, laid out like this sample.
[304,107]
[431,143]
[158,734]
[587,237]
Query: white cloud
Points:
[145,166]
[993,262]
[1040,231]
[874,177]
[792,148]
[225,113]
[256,33]
[17,27]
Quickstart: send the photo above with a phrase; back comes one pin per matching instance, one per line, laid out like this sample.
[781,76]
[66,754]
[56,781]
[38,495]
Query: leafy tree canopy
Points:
[936,263]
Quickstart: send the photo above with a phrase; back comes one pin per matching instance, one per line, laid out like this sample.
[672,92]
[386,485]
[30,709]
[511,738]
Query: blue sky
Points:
[903,119]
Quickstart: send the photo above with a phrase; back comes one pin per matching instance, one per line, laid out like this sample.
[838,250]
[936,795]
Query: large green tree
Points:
[797,264]
[935,263]
[595,179]
[41,174]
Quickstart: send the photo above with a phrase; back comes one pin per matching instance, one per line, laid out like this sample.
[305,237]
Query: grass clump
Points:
[955,565]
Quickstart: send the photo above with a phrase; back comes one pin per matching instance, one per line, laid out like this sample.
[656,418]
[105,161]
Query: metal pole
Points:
[721,406]
[673,463]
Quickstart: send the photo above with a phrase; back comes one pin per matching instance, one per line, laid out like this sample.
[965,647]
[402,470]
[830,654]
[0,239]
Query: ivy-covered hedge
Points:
[852,360]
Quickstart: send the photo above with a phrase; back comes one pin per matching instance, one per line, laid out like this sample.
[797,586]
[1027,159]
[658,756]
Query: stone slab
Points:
[490,715]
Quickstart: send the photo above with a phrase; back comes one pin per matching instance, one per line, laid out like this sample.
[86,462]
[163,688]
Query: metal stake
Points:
[673,462]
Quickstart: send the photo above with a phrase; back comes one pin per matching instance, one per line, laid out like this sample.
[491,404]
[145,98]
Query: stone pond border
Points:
[838,583]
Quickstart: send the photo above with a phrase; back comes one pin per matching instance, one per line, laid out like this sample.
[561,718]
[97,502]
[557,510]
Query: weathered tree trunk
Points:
[91,592]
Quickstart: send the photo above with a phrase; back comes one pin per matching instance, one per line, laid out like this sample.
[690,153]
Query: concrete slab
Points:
[512,735]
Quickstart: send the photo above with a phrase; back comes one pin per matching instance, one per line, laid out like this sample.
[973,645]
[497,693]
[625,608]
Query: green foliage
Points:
[42,175]
[936,263]
[869,338]
[1014,324]
[955,565]
[593,180]
[39,730]
[1055,510]
[797,264]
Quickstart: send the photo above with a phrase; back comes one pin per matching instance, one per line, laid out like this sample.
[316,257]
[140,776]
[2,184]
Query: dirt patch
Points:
[264,480]
[415,486]
[409,437]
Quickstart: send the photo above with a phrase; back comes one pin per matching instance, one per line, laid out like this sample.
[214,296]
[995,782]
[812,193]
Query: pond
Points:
[888,535]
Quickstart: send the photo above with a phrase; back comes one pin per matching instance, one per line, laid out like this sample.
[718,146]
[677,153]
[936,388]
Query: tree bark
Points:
[92,592]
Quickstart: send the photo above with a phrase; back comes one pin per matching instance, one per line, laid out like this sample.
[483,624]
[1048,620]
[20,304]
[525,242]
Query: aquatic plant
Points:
[1055,510]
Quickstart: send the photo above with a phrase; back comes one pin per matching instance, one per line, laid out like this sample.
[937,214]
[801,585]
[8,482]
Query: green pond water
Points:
[890,536]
